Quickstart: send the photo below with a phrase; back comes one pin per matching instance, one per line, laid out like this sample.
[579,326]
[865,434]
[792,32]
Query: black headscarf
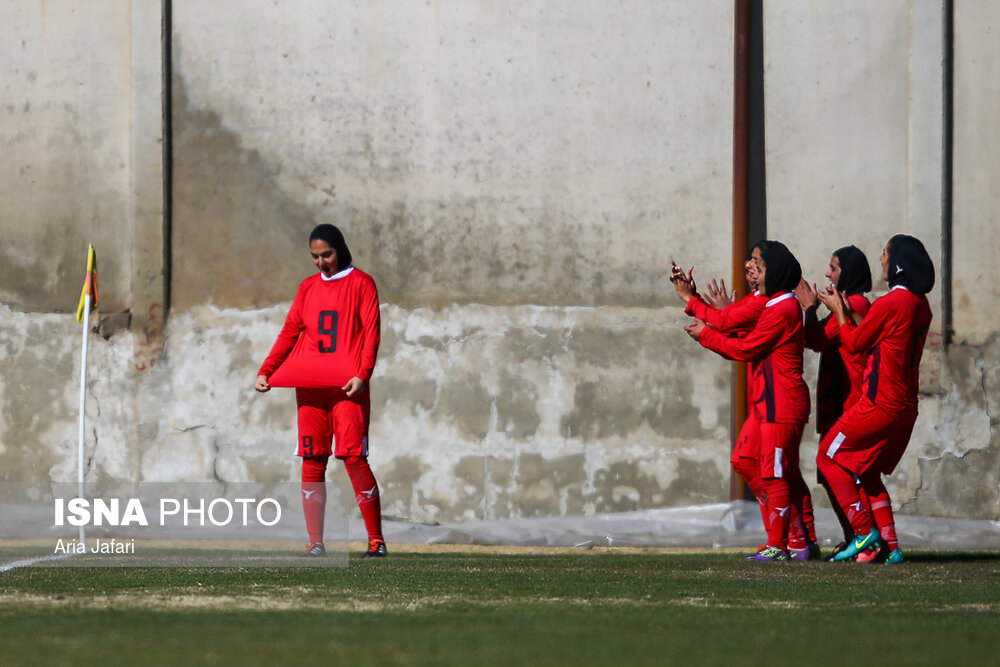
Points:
[758,244]
[909,264]
[855,273]
[335,239]
[782,271]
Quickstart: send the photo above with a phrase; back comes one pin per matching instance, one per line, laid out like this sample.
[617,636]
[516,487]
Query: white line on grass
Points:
[28,562]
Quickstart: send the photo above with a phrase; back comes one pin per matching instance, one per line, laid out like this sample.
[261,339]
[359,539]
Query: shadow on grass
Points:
[953,556]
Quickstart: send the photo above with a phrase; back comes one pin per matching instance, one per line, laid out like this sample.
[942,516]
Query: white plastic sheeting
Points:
[732,524]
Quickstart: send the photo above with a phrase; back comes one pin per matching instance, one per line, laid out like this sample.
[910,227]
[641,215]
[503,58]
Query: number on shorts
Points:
[307,445]
[328,327]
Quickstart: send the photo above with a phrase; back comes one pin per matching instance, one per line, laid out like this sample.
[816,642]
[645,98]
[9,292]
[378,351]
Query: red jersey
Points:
[331,334]
[738,317]
[841,371]
[892,334]
[774,347]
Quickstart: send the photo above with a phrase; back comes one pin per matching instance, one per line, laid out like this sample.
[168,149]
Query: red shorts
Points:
[331,423]
[868,438]
[779,449]
[747,442]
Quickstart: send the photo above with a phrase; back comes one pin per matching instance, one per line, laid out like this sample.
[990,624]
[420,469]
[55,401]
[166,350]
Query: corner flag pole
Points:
[88,301]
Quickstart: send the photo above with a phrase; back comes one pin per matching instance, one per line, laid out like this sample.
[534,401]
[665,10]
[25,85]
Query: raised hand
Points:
[717,294]
[806,295]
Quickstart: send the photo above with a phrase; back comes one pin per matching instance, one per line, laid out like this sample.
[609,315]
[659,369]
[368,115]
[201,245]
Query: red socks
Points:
[845,489]
[802,526]
[881,508]
[749,470]
[779,501]
[366,492]
[314,496]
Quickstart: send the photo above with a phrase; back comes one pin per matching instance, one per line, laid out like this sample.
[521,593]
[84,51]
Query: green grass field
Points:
[511,606]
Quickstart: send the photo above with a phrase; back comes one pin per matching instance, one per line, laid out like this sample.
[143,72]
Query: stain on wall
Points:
[237,239]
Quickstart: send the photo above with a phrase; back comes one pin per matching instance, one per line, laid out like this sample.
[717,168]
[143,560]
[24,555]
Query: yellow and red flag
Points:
[89,285]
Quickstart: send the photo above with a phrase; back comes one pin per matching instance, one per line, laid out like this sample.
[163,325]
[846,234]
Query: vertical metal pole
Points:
[741,122]
[81,473]
[167,41]
[948,140]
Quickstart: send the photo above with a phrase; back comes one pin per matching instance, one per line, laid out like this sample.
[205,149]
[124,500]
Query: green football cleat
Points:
[859,544]
[769,555]
[895,557]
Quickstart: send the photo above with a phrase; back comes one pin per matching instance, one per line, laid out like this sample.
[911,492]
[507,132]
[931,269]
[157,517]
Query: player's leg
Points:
[844,487]
[881,510]
[746,463]
[845,524]
[351,421]
[778,448]
[889,452]
[802,526]
[366,491]
[314,446]
[314,501]
[847,452]
[801,530]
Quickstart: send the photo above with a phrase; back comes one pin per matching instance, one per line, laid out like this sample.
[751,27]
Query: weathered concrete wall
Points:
[482,412]
[511,153]
[960,458]
[517,177]
[64,134]
[977,175]
[82,139]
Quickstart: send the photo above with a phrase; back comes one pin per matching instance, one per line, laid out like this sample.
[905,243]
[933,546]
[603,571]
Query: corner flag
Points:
[88,302]
[89,285]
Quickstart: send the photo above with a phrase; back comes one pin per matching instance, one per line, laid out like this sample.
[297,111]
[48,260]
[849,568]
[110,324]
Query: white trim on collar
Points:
[338,275]
[779,299]
[896,287]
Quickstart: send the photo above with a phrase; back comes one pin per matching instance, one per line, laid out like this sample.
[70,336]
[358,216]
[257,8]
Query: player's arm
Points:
[821,335]
[734,318]
[861,337]
[371,336]
[755,345]
[283,345]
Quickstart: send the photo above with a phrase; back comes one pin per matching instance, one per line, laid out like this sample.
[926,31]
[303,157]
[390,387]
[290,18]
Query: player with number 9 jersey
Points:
[326,350]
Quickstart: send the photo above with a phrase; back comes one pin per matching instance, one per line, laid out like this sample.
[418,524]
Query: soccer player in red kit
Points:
[781,398]
[870,437]
[840,370]
[327,350]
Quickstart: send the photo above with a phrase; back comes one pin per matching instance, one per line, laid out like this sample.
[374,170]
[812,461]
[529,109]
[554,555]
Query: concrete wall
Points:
[977,178]
[511,153]
[517,178]
[64,179]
